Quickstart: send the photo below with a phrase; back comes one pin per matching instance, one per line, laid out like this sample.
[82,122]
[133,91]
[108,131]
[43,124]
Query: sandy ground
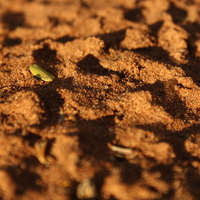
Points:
[121,119]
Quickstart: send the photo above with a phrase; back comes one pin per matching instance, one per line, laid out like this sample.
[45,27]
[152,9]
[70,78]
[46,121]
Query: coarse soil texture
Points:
[120,121]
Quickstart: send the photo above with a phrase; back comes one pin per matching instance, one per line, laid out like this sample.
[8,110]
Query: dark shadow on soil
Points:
[167,174]
[13,20]
[25,179]
[51,101]
[178,14]
[65,39]
[90,65]
[112,40]
[10,42]
[46,56]
[112,198]
[84,4]
[98,180]
[155,53]
[93,132]
[177,141]
[155,29]
[62,39]
[45,2]
[134,15]
[130,173]
[158,54]
[179,17]
[54,21]
[31,138]
[165,95]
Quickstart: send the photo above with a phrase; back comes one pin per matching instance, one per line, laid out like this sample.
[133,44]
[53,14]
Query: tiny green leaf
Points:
[41,73]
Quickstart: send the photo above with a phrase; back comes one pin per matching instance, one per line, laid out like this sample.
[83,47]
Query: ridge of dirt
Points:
[121,119]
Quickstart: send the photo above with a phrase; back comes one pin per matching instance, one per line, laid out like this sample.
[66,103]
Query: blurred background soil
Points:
[121,119]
